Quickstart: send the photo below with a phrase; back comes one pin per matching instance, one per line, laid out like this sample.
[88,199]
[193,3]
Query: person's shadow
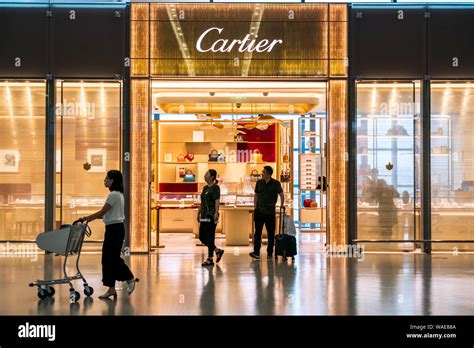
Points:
[286,275]
[207,301]
[265,288]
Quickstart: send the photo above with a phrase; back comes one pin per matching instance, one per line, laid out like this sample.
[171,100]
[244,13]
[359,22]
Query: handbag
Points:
[189,156]
[189,176]
[213,156]
[181,158]
[220,157]
[256,156]
[286,158]
[254,175]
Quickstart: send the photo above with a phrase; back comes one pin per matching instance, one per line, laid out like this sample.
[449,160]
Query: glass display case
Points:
[452,158]
[388,162]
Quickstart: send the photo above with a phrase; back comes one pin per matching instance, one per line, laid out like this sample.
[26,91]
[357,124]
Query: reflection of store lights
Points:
[22,84]
[9,100]
[29,101]
[102,99]
[377,85]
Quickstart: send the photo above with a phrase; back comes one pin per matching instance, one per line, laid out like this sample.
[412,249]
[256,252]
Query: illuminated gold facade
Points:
[165,40]
[338,172]
[173,41]
[139,161]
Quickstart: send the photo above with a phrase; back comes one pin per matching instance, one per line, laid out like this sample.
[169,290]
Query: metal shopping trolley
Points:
[66,241]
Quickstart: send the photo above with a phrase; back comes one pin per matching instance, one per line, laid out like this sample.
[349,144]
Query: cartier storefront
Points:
[235,87]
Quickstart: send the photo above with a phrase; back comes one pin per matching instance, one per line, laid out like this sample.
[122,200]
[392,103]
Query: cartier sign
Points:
[246,44]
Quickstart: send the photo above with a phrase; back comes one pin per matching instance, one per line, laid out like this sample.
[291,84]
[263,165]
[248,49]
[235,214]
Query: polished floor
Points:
[173,282]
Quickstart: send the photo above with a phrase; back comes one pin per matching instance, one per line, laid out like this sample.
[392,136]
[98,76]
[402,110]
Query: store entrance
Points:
[236,128]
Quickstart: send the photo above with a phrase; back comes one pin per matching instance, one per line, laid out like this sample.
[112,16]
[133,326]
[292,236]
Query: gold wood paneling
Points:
[238,12]
[140,12]
[175,29]
[338,12]
[338,48]
[140,67]
[338,178]
[225,67]
[139,50]
[139,163]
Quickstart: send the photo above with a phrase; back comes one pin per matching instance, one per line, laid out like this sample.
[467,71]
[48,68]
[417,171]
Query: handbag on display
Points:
[286,158]
[213,156]
[254,175]
[181,172]
[181,158]
[256,156]
[189,176]
[220,157]
[189,156]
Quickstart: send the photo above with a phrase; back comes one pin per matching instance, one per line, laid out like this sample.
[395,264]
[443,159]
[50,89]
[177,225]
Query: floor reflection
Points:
[177,284]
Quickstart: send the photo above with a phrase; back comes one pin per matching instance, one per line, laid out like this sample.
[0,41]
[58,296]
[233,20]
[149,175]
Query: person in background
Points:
[267,190]
[113,266]
[321,186]
[208,217]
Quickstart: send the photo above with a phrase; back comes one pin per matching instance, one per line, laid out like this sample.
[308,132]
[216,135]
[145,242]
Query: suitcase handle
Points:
[280,222]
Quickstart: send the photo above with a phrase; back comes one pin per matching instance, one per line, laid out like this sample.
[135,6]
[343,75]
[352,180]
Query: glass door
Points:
[388,164]
[88,145]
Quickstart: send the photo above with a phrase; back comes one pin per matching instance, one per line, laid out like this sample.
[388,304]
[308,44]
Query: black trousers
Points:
[113,266]
[207,236]
[269,221]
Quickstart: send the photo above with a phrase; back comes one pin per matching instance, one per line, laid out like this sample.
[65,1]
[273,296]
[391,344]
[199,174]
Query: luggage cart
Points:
[66,241]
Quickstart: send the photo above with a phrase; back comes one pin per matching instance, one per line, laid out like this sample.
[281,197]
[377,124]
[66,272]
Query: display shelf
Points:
[385,136]
[188,163]
[168,174]
[312,165]
[218,142]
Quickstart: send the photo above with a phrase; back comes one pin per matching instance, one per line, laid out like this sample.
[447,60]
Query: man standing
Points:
[267,190]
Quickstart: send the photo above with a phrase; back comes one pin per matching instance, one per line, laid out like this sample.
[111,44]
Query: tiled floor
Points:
[173,282]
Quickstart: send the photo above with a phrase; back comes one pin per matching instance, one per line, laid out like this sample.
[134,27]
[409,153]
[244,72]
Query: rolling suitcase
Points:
[285,244]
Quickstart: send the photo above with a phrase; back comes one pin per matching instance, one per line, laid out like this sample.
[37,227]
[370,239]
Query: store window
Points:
[22,159]
[88,145]
[388,163]
[452,163]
